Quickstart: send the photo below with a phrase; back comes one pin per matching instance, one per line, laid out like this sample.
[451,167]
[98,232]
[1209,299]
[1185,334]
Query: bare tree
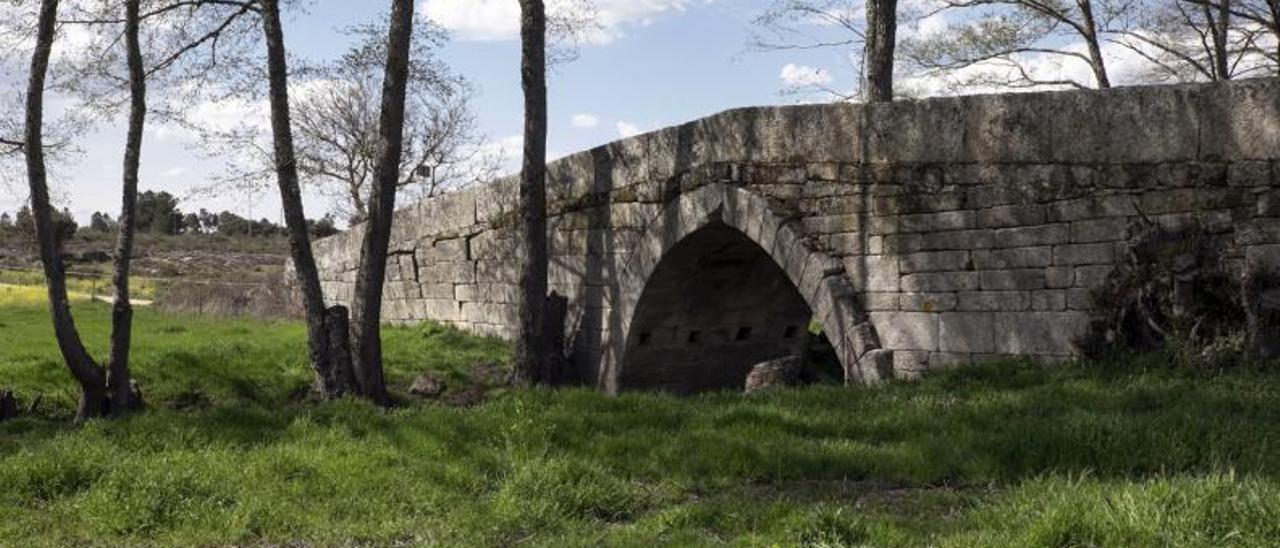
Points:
[176,30]
[121,308]
[999,40]
[866,29]
[882,29]
[90,375]
[336,123]
[366,348]
[286,169]
[1252,16]
[1188,41]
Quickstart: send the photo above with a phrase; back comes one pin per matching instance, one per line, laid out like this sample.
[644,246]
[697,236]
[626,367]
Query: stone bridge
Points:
[917,235]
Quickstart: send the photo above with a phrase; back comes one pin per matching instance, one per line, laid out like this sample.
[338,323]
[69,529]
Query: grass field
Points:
[1118,454]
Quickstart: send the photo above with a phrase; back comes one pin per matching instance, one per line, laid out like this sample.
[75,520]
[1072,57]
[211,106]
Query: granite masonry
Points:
[918,235]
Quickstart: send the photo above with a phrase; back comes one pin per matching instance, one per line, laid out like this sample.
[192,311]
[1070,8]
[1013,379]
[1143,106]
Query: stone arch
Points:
[818,277]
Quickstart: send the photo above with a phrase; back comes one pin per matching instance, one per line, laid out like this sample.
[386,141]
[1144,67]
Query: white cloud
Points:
[627,130]
[585,120]
[490,20]
[1124,67]
[795,76]
[174,172]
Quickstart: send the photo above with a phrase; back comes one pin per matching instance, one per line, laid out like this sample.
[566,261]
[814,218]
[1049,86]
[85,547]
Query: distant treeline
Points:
[158,213]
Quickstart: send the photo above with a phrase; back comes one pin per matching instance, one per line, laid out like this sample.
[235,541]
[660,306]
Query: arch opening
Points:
[715,306]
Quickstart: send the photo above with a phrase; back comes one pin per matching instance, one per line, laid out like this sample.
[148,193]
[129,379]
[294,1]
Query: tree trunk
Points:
[1096,61]
[367,342]
[291,200]
[882,28]
[1274,7]
[1220,27]
[88,373]
[338,322]
[530,354]
[121,311]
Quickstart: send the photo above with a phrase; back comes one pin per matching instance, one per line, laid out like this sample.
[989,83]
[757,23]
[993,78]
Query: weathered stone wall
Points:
[921,234]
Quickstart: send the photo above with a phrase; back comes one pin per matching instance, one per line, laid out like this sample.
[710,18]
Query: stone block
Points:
[873,272]
[1082,254]
[901,243]
[454,249]
[1014,257]
[934,261]
[936,222]
[1011,215]
[1079,298]
[876,301]
[927,302]
[1243,118]
[439,309]
[906,330]
[451,272]
[1008,128]
[1039,333]
[436,290]
[1249,173]
[1059,277]
[953,239]
[875,366]
[942,361]
[1262,258]
[1259,231]
[848,243]
[1093,276]
[490,313]
[1099,230]
[1179,200]
[966,332]
[1013,280]
[1030,236]
[1094,207]
[910,364]
[1138,124]
[496,272]
[992,301]
[1268,204]
[940,281]
[1049,300]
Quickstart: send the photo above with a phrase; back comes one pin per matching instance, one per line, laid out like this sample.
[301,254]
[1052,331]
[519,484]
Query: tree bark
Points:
[1096,61]
[530,354]
[89,374]
[1220,26]
[304,262]
[367,342]
[121,310]
[882,28]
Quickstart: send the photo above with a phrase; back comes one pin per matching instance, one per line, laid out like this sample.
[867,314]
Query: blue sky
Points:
[659,62]
[653,63]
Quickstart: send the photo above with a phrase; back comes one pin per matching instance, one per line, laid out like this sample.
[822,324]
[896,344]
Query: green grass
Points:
[1127,454]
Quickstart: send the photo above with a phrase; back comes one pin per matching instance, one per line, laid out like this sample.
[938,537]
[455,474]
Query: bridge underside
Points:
[716,305]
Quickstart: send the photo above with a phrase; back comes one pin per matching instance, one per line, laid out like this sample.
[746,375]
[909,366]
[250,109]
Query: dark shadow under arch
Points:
[715,305]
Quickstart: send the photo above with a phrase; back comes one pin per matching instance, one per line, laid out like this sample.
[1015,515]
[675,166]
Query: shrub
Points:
[1177,292]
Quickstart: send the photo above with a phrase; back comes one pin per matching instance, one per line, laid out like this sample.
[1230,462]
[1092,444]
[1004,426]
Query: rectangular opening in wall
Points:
[645,337]
[744,333]
[694,336]
[790,332]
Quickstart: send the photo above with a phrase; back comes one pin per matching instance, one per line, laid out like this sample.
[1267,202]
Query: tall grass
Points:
[81,284]
[1011,454]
